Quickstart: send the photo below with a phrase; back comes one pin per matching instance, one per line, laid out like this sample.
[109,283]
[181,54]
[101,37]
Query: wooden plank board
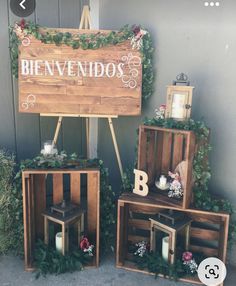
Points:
[40,202]
[103,74]
[159,150]
[57,180]
[201,233]
[166,153]
[122,234]
[93,206]
[138,238]
[142,149]
[75,194]
[177,150]
[139,223]
[150,157]
[206,250]
[188,184]
[92,201]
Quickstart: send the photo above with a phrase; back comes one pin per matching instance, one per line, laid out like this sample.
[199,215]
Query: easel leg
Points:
[116,146]
[57,130]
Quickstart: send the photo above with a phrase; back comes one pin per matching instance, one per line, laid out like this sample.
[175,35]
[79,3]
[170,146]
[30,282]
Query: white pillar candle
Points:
[59,242]
[162,181]
[178,106]
[165,248]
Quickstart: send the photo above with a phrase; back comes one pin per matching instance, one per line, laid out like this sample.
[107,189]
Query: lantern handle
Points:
[181,79]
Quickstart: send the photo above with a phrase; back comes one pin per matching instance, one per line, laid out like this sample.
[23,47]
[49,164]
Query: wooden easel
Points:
[85,23]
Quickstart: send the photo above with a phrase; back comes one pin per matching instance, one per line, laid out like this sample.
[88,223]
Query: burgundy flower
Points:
[136,30]
[187,256]
[84,243]
[22,24]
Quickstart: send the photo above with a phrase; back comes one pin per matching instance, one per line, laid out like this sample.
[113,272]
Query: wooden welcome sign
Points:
[60,79]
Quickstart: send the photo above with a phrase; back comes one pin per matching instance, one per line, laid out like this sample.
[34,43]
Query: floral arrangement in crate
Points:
[48,260]
[185,265]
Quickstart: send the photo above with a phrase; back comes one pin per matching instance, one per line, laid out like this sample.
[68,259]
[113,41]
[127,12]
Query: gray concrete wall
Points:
[24,133]
[199,41]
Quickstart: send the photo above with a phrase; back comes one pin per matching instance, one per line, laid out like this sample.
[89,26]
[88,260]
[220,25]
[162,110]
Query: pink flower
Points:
[162,107]
[187,256]
[84,243]
[22,24]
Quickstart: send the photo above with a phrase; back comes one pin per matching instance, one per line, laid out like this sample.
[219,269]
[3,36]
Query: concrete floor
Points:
[12,274]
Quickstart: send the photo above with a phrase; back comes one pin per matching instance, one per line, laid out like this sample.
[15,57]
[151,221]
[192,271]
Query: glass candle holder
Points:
[48,147]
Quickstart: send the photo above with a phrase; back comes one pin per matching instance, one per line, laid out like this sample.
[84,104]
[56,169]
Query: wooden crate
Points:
[161,150]
[42,188]
[208,231]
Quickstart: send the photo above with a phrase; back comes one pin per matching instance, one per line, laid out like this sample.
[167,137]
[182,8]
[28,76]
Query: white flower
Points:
[192,265]
[142,248]
[89,250]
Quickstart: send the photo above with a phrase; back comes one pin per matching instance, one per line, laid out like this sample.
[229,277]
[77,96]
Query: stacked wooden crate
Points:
[43,188]
[161,150]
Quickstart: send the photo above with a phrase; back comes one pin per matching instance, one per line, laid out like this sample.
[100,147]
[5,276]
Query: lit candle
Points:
[178,106]
[59,242]
[162,181]
[165,248]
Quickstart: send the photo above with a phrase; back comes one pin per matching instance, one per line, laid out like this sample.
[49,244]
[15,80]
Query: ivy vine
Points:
[48,260]
[86,41]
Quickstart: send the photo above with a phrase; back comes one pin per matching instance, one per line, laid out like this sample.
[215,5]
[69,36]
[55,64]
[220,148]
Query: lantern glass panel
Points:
[178,106]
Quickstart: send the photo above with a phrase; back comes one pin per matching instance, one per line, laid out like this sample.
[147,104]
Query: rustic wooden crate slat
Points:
[123,231]
[137,238]
[177,150]
[75,188]
[34,203]
[139,223]
[207,227]
[166,153]
[57,188]
[159,152]
[40,200]
[93,197]
[167,148]
[206,250]
[151,156]
[206,233]
[142,163]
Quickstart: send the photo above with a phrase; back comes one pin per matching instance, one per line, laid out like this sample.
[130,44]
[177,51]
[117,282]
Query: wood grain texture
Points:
[75,188]
[163,149]
[34,204]
[208,234]
[57,188]
[40,203]
[104,91]
[166,153]
[142,149]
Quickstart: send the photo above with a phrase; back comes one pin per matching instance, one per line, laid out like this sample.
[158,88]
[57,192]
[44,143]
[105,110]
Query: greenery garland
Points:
[86,41]
[13,197]
[49,261]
